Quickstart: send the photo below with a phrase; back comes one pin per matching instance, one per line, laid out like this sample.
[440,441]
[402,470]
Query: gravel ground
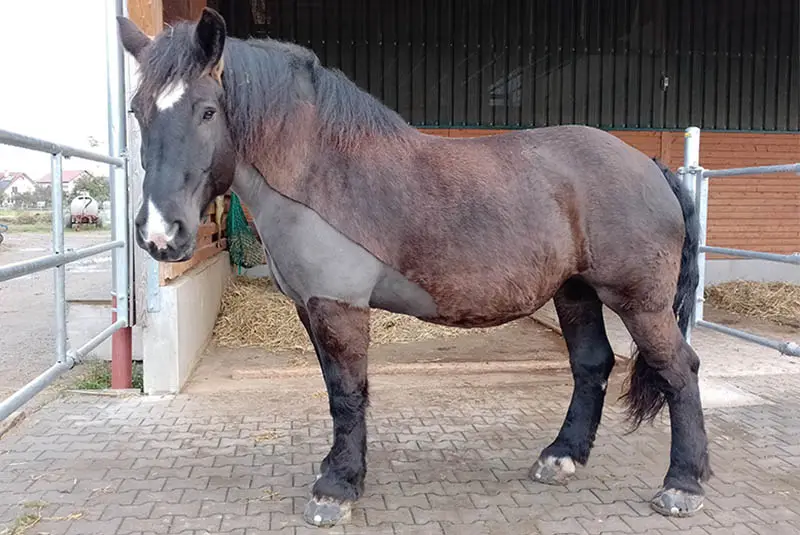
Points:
[27,341]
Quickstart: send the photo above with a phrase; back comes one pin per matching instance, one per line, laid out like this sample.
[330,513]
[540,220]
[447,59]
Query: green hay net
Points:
[244,247]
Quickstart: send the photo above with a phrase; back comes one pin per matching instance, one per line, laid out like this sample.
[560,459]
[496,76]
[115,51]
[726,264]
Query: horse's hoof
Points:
[326,512]
[552,470]
[674,502]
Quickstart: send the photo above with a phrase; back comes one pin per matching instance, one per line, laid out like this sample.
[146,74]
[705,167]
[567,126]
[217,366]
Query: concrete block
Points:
[174,337]
[750,269]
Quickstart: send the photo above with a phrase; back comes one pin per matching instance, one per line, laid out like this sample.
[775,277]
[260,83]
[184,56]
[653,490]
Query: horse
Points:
[358,210]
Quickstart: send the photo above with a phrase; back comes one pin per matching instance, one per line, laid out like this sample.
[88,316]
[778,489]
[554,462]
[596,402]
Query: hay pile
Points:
[774,301]
[254,314]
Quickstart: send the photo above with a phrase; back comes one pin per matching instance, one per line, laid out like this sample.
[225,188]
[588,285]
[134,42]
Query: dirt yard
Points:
[27,343]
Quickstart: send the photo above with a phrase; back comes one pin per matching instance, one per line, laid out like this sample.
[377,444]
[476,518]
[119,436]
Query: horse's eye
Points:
[208,114]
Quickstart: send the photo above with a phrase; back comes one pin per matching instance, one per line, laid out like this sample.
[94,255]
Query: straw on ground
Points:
[254,314]
[774,301]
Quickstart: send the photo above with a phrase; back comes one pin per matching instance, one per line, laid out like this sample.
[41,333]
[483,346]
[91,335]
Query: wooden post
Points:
[175,10]
[148,14]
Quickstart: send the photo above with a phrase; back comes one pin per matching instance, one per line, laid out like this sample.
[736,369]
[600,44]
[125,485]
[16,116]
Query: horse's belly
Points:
[397,294]
[489,299]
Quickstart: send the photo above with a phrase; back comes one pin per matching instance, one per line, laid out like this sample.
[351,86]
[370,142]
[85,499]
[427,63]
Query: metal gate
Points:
[120,243]
[697,180]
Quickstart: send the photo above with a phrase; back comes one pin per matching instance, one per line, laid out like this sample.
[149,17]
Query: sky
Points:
[53,84]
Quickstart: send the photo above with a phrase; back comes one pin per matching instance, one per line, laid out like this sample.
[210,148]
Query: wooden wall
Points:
[175,10]
[211,240]
[147,14]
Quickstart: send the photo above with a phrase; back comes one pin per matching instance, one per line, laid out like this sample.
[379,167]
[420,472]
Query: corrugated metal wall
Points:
[650,64]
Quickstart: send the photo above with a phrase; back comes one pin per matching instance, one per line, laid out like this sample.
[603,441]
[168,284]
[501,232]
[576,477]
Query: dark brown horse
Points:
[358,210]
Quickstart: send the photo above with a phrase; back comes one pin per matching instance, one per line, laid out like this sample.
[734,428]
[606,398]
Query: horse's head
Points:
[187,151]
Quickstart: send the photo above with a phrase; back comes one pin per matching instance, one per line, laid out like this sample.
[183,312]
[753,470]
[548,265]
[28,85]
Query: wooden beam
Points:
[152,15]
[171,271]
[147,14]
[175,10]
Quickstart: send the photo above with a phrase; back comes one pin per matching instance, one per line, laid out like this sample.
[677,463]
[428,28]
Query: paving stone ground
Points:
[448,454]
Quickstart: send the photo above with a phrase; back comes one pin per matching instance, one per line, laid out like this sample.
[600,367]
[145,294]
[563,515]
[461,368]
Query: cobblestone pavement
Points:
[447,455]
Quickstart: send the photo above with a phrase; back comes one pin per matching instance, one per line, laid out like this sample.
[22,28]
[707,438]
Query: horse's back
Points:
[574,149]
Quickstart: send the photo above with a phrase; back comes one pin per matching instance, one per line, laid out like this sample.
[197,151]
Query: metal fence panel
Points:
[120,246]
[697,179]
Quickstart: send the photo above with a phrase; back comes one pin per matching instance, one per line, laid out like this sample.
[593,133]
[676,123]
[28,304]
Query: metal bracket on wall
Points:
[153,287]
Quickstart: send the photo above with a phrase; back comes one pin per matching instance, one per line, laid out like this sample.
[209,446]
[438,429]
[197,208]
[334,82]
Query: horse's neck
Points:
[249,185]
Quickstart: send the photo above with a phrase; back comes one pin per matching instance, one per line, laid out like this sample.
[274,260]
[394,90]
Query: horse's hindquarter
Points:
[517,214]
[632,221]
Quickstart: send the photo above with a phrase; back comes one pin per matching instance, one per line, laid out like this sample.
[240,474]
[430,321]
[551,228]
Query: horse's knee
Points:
[594,365]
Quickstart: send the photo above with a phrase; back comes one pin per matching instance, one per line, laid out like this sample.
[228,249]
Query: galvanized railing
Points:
[122,306]
[697,180]
[66,358]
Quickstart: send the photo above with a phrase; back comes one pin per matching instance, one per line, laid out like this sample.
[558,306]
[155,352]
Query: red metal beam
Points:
[121,354]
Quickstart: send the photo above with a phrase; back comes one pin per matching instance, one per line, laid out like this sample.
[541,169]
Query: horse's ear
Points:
[133,39]
[210,38]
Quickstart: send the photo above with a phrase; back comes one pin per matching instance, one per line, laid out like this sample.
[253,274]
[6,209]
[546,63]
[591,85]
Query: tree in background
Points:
[42,194]
[30,199]
[96,186]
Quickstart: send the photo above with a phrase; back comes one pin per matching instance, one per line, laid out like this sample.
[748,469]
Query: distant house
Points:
[68,179]
[13,184]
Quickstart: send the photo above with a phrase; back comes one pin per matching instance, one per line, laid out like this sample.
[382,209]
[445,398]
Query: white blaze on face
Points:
[157,230]
[170,95]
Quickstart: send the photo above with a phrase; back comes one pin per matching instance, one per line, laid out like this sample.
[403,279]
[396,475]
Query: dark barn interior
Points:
[730,65]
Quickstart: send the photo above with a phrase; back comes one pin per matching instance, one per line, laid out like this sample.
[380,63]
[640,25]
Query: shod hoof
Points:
[325,512]
[674,502]
[552,470]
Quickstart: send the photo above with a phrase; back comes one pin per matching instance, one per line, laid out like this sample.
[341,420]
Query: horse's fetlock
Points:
[342,489]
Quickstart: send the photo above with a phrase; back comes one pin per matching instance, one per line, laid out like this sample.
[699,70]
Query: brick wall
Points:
[754,212]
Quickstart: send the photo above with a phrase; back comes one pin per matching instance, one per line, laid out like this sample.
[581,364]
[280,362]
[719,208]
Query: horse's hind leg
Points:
[592,359]
[340,333]
[665,371]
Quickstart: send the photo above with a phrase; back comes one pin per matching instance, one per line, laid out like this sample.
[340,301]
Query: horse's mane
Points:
[264,81]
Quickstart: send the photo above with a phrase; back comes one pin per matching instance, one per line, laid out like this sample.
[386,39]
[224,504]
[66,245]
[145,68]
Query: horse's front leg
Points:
[340,333]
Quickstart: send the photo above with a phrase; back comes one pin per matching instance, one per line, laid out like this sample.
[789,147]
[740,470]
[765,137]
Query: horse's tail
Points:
[645,398]
[689,276]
